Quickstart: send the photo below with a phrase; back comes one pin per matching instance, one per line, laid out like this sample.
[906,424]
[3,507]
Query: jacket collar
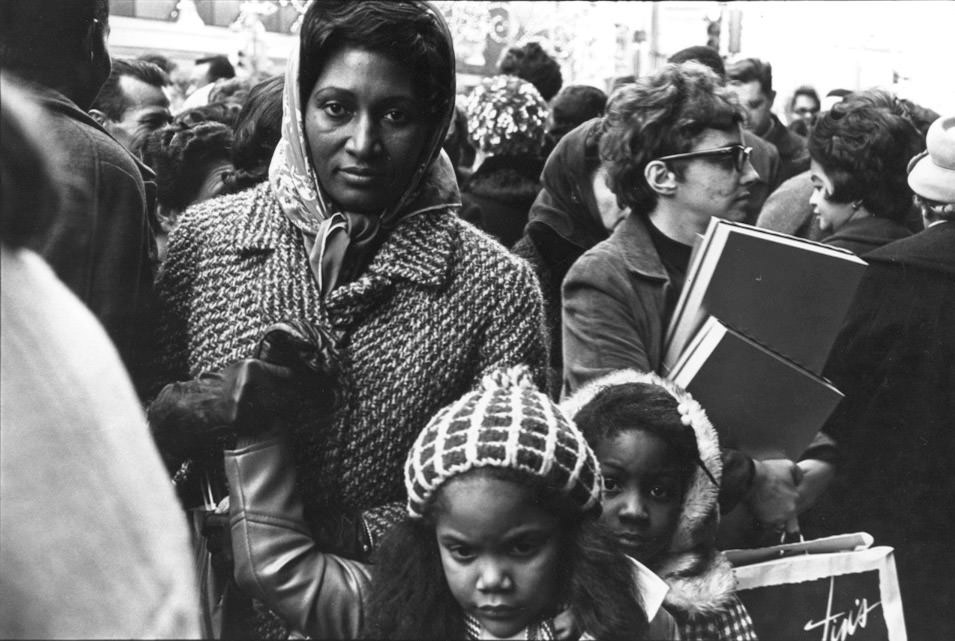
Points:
[419,249]
[636,247]
[56,101]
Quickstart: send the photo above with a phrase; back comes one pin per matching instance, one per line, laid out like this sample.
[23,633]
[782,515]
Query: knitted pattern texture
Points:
[439,305]
[506,423]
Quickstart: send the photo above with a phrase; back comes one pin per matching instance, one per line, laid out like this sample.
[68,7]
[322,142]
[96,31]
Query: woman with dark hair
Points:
[258,130]
[860,195]
[355,232]
[191,163]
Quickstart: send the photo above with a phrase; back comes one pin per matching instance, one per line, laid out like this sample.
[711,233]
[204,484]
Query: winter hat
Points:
[505,423]
[932,173]
[506,116]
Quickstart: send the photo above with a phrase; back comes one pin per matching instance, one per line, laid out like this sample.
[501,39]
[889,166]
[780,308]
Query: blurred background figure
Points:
[506,123]
[232,91]
[751,79]
[788,209]
[833,97]
[458,147]
[190,162]
[101,245]
[93,543]
[203,75]
[133,102]
[572,106]
[171,69]
[860,194]
[531,63]
[803,110]
[258,129]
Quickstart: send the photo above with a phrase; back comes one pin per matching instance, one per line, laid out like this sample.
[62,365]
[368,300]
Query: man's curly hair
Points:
[864,149]
[657,116]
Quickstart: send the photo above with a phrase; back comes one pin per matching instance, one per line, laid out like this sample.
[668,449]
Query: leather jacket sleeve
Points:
[276,558]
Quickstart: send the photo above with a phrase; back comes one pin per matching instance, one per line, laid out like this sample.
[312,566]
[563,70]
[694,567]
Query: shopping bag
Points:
[796,593]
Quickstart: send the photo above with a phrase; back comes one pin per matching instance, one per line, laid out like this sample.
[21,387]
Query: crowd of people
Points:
[398,346]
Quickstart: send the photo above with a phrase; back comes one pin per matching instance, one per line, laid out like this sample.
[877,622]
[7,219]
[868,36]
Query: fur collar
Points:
[700,578]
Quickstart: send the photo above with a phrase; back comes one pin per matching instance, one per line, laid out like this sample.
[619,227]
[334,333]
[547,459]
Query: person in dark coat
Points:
[573,212]
[859,191]
[895,362]
[507,121]
[101,244]
[752,81]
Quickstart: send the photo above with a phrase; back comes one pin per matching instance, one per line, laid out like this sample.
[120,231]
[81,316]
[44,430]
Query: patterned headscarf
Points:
[332,236]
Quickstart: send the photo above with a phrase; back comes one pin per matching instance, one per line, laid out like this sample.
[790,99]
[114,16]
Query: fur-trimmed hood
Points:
[700,578]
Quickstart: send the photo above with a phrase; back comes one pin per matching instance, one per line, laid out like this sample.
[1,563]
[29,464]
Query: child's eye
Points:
[611,486]
[662,492]
[462,553]
[526,548]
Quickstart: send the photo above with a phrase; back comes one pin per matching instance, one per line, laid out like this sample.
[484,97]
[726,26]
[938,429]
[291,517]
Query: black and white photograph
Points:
[477,319]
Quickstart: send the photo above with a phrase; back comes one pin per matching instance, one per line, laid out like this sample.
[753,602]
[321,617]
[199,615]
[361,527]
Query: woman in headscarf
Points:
[574,211]
[355,232]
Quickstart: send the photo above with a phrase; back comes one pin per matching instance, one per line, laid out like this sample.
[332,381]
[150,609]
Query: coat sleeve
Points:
[601,334]
[276,559]
[175,288]
[516,333]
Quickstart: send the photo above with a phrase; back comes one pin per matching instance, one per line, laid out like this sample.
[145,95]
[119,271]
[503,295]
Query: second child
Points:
[660,459]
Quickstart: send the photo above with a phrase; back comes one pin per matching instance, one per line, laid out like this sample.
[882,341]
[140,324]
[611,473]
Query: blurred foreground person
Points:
[895,362]
[92,540]
[101,245]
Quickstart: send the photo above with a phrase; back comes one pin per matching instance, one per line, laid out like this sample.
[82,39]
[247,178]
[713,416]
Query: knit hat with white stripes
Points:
[506,423]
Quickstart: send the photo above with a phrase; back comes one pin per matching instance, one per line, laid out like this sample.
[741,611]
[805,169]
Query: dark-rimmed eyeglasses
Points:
[738,153]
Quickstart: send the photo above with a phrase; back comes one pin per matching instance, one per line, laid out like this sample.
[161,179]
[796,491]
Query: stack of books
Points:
[752,330]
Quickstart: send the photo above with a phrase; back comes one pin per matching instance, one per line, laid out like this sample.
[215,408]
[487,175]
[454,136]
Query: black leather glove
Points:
[295,363]
[295,368]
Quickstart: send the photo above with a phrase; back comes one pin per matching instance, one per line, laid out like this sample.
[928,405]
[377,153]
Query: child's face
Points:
[499,551]
[643,492]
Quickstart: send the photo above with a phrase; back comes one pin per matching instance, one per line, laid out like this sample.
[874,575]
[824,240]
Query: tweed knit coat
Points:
[439,305]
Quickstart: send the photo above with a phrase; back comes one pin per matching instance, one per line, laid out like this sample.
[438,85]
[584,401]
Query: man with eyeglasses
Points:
[673,154]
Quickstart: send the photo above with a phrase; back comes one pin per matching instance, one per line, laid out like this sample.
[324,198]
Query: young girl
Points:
[660,459]
[502,535]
